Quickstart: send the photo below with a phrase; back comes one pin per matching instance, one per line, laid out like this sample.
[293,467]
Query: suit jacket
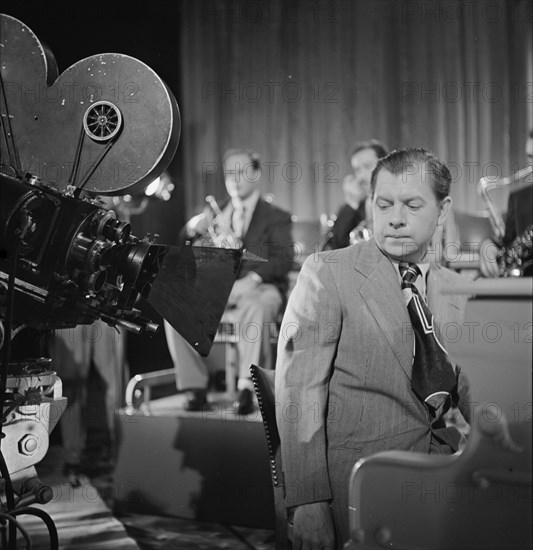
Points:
[519,216]
[268,236]
[343,373]
[347,219]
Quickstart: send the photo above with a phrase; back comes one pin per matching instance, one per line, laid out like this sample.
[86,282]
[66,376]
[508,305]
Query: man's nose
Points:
[397,218]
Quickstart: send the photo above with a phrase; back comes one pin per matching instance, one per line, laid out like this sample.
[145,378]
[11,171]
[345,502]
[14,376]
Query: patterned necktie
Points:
[238,221]
[433,378]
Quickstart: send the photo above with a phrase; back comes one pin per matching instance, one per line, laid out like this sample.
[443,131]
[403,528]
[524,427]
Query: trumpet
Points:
[363,232]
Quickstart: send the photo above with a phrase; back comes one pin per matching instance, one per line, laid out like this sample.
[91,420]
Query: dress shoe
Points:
[197,401]
[74,474]
[245,402]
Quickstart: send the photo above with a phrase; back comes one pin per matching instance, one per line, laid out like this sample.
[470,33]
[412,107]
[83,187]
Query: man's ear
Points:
[445,206]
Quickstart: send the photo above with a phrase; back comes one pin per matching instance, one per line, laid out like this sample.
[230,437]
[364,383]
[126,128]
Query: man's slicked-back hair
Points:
[413,160]
[377,146]
[255,159]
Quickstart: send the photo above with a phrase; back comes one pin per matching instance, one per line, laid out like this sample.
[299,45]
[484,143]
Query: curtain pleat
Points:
[302,81]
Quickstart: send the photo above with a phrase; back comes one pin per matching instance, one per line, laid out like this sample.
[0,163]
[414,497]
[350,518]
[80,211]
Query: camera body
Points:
[75,261]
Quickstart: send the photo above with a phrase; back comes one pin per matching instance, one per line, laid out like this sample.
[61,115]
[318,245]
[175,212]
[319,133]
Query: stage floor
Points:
[88,517]
[207,466]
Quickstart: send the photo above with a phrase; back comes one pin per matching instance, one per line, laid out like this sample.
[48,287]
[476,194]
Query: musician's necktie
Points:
[238,221]
[433,377]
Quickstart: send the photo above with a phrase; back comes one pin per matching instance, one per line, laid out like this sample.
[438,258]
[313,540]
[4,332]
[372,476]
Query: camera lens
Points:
[93,282]
[92,254]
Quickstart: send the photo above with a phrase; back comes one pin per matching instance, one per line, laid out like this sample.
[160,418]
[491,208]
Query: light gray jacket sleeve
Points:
[306,351]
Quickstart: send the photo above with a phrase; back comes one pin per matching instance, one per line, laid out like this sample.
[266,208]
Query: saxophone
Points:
[514,259]
[517,258]
[220,233]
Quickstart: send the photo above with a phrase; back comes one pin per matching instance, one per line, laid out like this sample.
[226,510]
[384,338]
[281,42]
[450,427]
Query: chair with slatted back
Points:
[263,381]
[479,498]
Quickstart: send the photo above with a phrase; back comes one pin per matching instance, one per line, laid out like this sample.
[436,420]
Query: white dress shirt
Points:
[421,281]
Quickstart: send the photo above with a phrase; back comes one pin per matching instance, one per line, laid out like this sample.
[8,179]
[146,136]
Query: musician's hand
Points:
[354,192]
[198,225]
[487,258]
[313,527]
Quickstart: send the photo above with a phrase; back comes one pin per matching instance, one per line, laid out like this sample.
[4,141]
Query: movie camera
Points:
[108,126]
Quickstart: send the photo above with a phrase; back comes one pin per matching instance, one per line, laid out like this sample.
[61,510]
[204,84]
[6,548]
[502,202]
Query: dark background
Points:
[74,31]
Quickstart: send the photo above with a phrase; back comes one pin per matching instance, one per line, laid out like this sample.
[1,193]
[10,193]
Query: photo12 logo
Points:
[63,93]
[466,92]
[453,11]
[289,173]
[224,91]
[270,11]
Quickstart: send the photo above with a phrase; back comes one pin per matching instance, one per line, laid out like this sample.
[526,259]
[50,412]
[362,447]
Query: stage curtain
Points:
[301,81]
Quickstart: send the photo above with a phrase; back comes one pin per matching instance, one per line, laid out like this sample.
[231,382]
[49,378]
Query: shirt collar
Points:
[249,203]
[420,281]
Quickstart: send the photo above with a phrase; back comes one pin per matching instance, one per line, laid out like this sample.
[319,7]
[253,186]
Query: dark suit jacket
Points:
[347,219]
[519,213]
[268,236]
[343,373]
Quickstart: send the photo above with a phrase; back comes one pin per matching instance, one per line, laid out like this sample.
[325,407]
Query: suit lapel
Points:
[382,293]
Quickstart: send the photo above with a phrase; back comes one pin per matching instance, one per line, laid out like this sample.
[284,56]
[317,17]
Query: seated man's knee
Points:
[269,301]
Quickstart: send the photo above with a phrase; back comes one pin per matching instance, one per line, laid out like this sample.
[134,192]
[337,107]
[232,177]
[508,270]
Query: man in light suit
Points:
[250,221]
[345,354]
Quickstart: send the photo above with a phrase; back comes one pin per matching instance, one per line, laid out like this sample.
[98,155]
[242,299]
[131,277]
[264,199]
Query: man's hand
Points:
[313,527]
[198,225]
[487,258]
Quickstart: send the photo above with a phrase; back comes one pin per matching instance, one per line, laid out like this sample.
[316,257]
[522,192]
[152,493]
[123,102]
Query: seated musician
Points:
[357,207]
[257,296]
[518,223]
